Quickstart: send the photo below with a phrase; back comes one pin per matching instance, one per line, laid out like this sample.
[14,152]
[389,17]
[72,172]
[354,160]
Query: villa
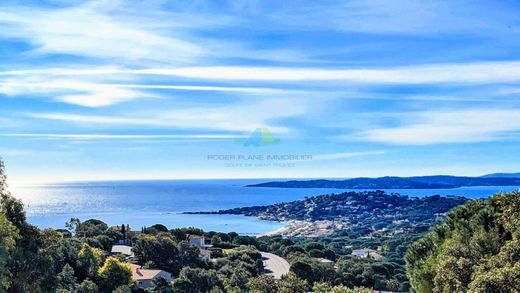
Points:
[366,253]
[144,277]
[200,242]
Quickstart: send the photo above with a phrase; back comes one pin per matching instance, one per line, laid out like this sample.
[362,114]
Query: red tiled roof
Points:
[140,274]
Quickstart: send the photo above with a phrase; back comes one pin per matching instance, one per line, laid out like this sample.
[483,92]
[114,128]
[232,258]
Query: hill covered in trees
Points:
[417,182]
[477,249]
[358,211]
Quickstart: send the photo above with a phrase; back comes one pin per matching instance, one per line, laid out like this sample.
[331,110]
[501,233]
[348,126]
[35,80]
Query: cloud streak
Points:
[122,136]
[461,73]
[93,94]
[346,155]
[443,127]
[246,116]
[90,31]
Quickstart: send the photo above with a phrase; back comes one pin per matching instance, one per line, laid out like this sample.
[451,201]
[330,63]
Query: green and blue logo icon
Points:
[261,137]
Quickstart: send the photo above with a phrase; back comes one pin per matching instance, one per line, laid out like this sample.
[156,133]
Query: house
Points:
[196,240]
[325,261]
[122,250]
[200,242]
[366,253]
[143,277]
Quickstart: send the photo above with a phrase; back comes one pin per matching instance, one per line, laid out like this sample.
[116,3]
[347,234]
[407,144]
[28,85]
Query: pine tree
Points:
[66,279]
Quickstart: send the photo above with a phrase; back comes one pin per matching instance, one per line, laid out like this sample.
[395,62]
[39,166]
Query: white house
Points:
[143,277]
[366,253]
[200,242]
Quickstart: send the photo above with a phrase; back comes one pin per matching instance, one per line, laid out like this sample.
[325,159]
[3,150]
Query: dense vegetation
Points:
[361,213]
[77,259]
[383,223]
[417,182]
[477,249]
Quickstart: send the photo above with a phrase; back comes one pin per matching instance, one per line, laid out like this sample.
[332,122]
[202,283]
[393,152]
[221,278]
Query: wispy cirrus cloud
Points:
[347,155]
[137,34]
[443,127]
[83,136]
[478,72]
[96,30]
[465,73]
[97,94]
[245,116]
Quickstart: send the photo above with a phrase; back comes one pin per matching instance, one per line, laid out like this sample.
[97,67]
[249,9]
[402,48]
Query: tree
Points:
[161,249]
[115,273]
[475,249]
[8,237]
[160,228]
[200,280]
[28,268]
[292,284]
[188,255]
[316,253]
[89,260]
[314,245]
[122,289]
[91,228]
[503,279]
[160,285]
[216,240]
[66,278]
[262,284]
[123,231]
[87,286]
[293,249]
[240,277]
[302,270]
[182,285]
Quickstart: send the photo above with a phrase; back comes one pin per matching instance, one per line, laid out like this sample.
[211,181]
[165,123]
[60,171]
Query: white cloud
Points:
[245,116]
[122,136]
[463,126]
[346,155]
[95,31]
[476,72]
[83,93]
[94,94]
[132,33]
[481,72]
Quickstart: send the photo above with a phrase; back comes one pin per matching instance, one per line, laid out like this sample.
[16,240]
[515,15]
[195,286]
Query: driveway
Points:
[275,265]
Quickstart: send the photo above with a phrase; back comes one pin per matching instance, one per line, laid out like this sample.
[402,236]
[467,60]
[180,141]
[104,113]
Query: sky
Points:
[105,90]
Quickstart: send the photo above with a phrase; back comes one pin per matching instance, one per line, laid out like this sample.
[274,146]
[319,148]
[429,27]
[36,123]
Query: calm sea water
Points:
[144,203]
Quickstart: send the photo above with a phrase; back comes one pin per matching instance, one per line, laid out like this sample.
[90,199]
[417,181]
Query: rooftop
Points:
[122,249]
[140,274]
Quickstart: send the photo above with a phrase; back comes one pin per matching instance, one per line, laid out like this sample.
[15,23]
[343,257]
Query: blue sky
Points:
[93,90]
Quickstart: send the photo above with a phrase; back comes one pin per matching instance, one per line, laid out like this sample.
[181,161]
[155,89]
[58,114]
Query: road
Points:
[275,265]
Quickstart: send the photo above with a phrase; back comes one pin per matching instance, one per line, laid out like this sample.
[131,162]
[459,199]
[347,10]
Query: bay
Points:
[144,203]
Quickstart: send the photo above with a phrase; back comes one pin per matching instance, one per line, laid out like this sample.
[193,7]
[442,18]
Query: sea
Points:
[145,203]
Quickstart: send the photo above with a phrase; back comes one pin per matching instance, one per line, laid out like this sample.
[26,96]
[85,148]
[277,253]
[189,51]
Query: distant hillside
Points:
[417,182]
[360,211]
[502,175]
